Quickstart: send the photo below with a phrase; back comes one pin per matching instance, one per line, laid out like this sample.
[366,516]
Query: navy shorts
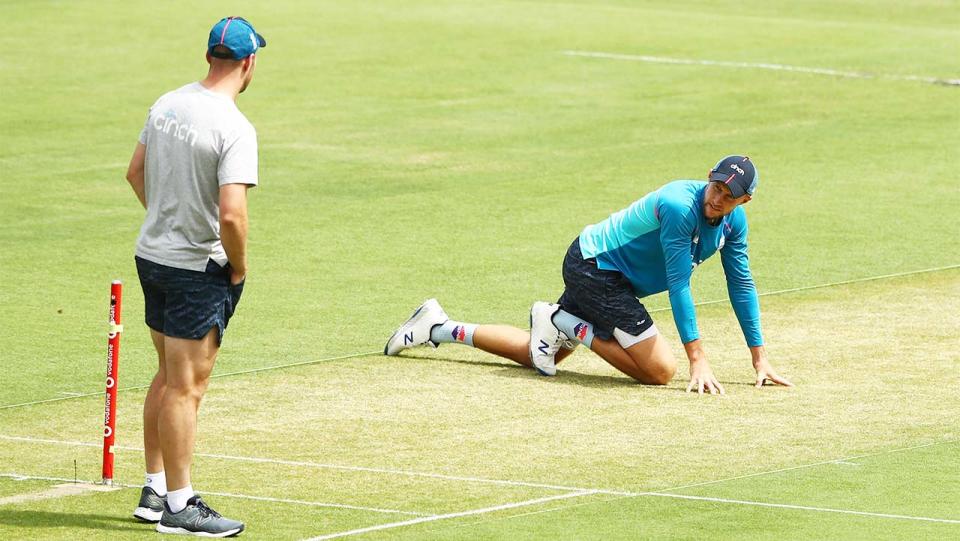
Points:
[604,298]
[185,303]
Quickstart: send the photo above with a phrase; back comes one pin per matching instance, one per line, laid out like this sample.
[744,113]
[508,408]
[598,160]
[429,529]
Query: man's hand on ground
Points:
[766,373]
[701,377]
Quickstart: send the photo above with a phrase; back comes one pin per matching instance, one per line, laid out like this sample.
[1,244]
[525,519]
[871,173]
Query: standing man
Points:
[196,158]
[649,247]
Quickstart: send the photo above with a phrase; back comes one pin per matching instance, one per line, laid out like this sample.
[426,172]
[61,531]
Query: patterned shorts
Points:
[604,298]
[187,304]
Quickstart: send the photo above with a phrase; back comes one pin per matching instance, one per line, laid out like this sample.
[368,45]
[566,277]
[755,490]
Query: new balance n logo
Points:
[408,338]
[543,347]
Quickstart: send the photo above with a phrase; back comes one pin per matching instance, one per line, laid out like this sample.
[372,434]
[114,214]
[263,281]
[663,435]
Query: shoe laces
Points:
[205,509]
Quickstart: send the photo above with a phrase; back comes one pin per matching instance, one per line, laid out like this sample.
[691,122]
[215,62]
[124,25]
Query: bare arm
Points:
[233,228]
[701,376]
[135,173]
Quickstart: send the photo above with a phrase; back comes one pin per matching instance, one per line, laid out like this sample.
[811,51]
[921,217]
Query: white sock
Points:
[574,327]
[177,499]
[158,482]
[453,331]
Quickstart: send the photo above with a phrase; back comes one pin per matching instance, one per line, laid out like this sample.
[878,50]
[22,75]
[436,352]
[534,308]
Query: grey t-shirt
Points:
[197,141]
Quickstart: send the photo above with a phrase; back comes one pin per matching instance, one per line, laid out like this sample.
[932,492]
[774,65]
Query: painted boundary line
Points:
[377,352]
[433,518]
[23,477]
[238,373]
[763,65]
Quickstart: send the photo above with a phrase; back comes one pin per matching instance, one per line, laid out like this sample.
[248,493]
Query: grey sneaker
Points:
[150,507]
[416,330]
[545,338]
[197,519]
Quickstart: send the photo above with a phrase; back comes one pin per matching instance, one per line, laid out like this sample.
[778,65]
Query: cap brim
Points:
[735,189]
[260,41]
[717,176]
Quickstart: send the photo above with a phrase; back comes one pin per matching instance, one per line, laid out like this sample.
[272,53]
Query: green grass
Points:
[448,149]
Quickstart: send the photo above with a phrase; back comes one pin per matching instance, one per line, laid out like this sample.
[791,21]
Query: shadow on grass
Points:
[49,519]
[562,377]
[510,370]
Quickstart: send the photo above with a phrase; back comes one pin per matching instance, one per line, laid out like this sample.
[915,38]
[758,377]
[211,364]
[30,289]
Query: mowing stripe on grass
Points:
[433,518]
[763,65]
[81,483]
[378,352]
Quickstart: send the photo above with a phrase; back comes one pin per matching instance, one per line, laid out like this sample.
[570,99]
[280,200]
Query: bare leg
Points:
[650,361]
[188,367]
[508,342]
[151,410]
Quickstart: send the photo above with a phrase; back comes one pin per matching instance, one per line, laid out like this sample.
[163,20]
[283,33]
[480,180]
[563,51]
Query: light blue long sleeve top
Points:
[660,239]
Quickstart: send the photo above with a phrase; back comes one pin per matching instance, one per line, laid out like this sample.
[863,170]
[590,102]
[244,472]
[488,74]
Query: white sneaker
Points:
[416,330]
[545,337]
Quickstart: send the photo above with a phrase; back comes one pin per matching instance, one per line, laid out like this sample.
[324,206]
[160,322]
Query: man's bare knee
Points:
[654,361]
[188,388]
[662,372]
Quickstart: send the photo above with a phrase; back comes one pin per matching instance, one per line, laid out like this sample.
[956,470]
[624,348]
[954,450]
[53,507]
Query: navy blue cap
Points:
[737,172]
[236,34]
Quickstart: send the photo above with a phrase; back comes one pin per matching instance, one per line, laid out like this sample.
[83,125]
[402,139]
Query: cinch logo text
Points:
[168,124]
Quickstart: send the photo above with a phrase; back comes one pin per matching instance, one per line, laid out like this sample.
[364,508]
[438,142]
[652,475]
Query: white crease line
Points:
[763,65]
[22,477]
[812,465]
[799,507]
[574,490]
[262,460]
[841,461]
[390,471]
[412,473]
[638,494]
[433,518]
[316,504]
